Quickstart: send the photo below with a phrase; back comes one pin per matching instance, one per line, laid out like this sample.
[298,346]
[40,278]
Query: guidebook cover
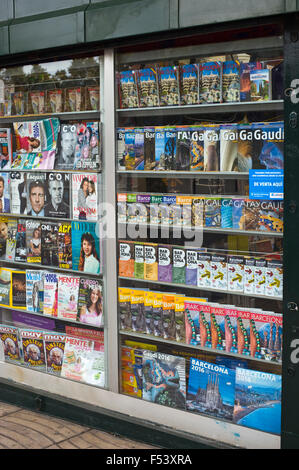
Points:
[189,84]
[258,400]
[164,379]
[148,87]
[210,82]
[211,389]
[128,89]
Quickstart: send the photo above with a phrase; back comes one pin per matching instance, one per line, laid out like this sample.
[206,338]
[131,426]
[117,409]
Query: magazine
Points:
[21,248]
[18,192]
[68,290]
[5,148]
[65,245]
[211,389]
[34,291]
[54,349]
[85,196]
[3,236]
[33,241]
[164,379]
[9,336]
[5,286]
[258,400]
[33,349]
[49,243]
[18,289]
[4,193]
[88,146]
[36,136]
[12,227]
[36,193]
[86,255]
[51,294]
[32,161]
[76,360]
[58,196]
[90,302]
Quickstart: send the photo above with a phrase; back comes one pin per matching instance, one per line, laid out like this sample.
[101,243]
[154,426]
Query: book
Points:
[36,136]
[4,193]
[139,149]
[122,208]
[212,149]
[260,85]
[168,317]
[258,400]
[129,149]
[212,212]
[231,82]
[211,389]
[55,101]
[239,213]
[9,336]
[33,241]
[49,244]
[120,148]
[183,149]
[86,256]
[151,261]
[189,84]
[169,86]
[5,148]
[179,311]
[84,196]
[65,245]
[36,102]
[268,145]
[155,210]
[161,163]
[54,349]
[58,196]
[138,261]
[197,322]
[50,294]
[243,331]
[126,259]
[36,193]
[76,358]
[68,291]
[271,216]
[235,273]
[278,81]
[210,74]
[18,289]
[128,89]
[148,312]
[164,379]
[266,336]
[233,151]
[218,266]
[245,80]
[178,265]
[74,99]
[33,349]
[191,267]
[149,148]
[260,272]
[197,148]
[143,208]
[249,275]
[147,80]
[165,263]
[34,291]
[124,296]
[274,278]
[158,314]
[90,302]
[204,275]
[137,310]
[226,213]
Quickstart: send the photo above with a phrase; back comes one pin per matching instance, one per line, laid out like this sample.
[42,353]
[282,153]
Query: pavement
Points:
[24,429]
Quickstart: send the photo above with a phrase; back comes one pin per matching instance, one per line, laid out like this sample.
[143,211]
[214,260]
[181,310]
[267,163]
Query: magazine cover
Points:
[65,245]
[50,294]
[34,291]
[5,286]
[128,89]
[258,400]
[96,336]
[58,195]
[147,80]
[169,88]
[31,161]
[211,389]
[66,147]
[54,349]
[5,148]
[33,349]
[4,193]
[49,243]
[36,193]
[10,340]
[210,74]
[90,302]
[86,247]
[124,305]
[18,289]
[76,358]
[85,196]
[189,84]
[3,236]
[68,291]
[164,379]
[36,136]
[231,82]
[88,146]
[266,335]
[18,192]
[21,248]
[12,227]
[33,241]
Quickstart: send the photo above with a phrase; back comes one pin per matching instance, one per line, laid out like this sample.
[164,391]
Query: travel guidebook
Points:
[86,247]
[164,379]
[211,389]
[128,89]
[258,400]
[84,196]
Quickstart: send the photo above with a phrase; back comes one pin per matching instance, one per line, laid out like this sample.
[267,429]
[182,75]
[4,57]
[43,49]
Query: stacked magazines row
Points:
[50,144]
[199,83]
[236,212]
[77,354]
[226,389]
[197,322]
[53,294]
[201,147]
[205,269]
[65,245]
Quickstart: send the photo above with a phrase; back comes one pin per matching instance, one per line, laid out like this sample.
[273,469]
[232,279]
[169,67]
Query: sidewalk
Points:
[23,429]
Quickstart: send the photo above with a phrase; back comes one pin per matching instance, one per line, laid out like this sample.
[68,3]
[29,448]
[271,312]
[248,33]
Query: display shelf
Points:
[63,116]
[240,107]
[26,265]
[206,289]
[42,217]
[184,174]
[41,170]
[145,337]
[215,230]
[39,314]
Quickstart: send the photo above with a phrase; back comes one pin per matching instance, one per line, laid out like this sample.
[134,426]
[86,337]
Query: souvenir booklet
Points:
[128,89]
[189,84]
[148,87]
[169,86]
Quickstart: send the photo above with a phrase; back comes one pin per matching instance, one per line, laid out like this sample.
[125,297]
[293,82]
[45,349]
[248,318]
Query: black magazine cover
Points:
[21,250]
[36,193]
[49,240]
[58,196]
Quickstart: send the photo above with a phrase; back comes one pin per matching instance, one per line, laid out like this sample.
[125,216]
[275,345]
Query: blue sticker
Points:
[266,184]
